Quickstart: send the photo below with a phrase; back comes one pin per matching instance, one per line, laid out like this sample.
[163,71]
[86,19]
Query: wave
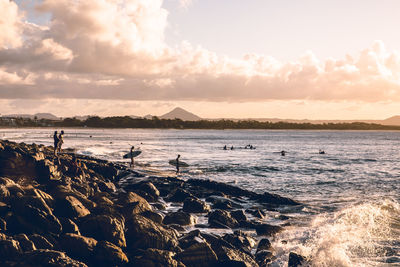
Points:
[366,234]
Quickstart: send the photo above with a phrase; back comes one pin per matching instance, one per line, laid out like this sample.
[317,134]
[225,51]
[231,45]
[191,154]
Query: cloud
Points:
[115,49]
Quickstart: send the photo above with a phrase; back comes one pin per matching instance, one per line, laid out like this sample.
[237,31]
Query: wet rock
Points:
[144,233]
[296,260]
[108,187]
[69,226]
[220,218]
[71,207]
[275,199]
[239,215]
[4,193]
[40,242]
[181,218]
[132,204]
[264,244]
[195,205]
[154,216]
[263,257]
[150,189]
[44,257]
[267,229]
[104,227]
[24,242]
[159,206]
[19,203]
[240,240]
[9,249]
[176,227]
[179,195]
[77,246]
[191,238]
[198,255]
[108,254]
[223,205]
[256,213]
[157,258]
[3,225]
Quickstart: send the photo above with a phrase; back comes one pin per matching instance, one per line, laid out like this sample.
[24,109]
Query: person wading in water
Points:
[177,164]
[132,164]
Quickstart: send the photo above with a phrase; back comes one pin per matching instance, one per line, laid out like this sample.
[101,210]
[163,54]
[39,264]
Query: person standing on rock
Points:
[55,137]
[132,164]
[177,163]
[60,141]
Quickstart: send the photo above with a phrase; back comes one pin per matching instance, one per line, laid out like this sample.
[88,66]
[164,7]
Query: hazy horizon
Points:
[227,59]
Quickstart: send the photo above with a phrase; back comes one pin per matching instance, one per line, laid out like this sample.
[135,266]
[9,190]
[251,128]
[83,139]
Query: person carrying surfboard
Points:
[177,163]
[132,164]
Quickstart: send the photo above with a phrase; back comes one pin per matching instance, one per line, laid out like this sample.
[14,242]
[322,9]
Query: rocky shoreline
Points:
[108,215]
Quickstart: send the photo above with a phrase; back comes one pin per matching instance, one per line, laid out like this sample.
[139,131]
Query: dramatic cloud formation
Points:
[115,49]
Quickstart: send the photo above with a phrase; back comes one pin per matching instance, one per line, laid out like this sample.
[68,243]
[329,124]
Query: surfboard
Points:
[181,163]
[135,153]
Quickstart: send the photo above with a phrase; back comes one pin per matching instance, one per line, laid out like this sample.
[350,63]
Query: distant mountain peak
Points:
[180,113]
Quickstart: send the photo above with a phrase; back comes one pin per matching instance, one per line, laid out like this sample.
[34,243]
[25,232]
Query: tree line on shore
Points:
[155,122]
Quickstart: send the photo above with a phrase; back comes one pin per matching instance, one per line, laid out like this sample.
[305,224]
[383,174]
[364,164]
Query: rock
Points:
[191,238]
[44,257]
[276,199]
[240,240]
[157,258]
[4,193]
[263,257]
[195,205]
[9,249]
[267,229]
[3,225]
[108,254]
[181,218]
[150,189]
[144,233]
[104,227]
[71,207]
[154,216]
[37,202]
[25,243]
[198,255]
[239,215]
[256,213]
[179,195]
[132,204]
[219,218]
[40,242]
[69,226]
[159,206]
[264,244]
[77,246]
[296,260]
[108,187]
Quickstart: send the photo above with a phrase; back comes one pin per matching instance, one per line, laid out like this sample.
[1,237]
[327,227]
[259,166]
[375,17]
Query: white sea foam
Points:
[360,235]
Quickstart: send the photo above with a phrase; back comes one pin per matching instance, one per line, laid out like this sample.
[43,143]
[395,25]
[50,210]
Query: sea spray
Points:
[361,235]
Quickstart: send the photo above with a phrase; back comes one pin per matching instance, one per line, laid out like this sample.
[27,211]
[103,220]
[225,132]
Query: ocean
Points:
[351,194]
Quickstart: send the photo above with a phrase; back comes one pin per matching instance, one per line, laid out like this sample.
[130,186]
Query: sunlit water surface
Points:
[351,215]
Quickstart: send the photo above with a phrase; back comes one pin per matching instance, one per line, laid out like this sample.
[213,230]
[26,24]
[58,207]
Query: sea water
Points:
[351,194]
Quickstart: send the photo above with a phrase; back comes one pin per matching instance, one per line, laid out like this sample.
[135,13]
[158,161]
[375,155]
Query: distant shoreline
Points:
[127,122]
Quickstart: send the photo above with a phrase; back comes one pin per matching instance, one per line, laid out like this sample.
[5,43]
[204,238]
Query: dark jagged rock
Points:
[154,216]
[108,254]
[181,218]
[9,248]
[240,240]
[157,258]
[69,226]
[144,233]
[296,260]
[195,205]
[198,255]
[264,244]
[42,257]
[25,243]
[179,195]
[219,218]
[239,215]
[77,246]
[267,229]
[104,227]
[263,257]
[70,207]
[256,213]
[40,242]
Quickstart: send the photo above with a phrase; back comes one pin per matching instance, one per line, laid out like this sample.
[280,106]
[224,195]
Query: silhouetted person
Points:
[55,137]
[60,141]
[283,153]
[177,164]
[132,164]
[321,151]
[225,147]
[231,147]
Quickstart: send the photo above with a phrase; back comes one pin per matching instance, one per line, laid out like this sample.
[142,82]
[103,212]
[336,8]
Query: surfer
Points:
[321,151]
[60,141]
[283,153]
[177,163]
[225,147]
[231,147]
[132,163]
[55,137]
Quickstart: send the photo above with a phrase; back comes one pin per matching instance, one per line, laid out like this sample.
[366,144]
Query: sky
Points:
[298,59]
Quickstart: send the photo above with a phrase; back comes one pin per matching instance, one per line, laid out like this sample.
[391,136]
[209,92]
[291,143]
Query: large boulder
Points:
[70,207]
[180,218]
[41,242]
[222,219]
[198,255]
[268,229]
[195,205]
[104,227]
[144,233]
[44,257]
[108,254]
[296,260]
[156,258]
[77,246]
[9,248]
[179,195]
